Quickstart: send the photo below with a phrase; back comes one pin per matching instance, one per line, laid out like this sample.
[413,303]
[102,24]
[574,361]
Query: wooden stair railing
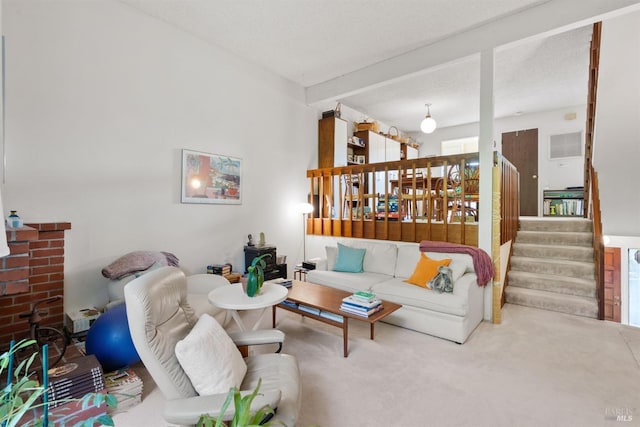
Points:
[598,242]
[591,190]
[594,63]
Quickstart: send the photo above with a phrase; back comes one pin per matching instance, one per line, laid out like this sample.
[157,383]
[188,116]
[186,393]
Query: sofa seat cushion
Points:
[455,303]
[350,282]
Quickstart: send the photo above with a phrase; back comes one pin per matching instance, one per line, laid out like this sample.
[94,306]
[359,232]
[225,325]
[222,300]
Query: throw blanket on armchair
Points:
[137,261]
[481,260]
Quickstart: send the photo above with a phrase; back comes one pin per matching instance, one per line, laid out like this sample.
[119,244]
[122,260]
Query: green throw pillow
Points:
[349,259]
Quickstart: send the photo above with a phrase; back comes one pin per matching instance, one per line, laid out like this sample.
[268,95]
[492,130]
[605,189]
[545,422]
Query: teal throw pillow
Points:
[349,259]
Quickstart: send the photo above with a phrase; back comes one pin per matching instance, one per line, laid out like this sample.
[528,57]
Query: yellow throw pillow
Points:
[425,270]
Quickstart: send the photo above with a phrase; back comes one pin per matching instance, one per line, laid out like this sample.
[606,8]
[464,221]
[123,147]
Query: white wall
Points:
[617,141]
[100,101]
[617,135]
[552,174]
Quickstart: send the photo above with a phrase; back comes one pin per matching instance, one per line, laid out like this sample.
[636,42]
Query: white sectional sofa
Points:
[452,316]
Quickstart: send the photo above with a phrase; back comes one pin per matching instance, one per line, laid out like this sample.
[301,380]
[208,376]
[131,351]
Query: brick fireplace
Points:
[33,270]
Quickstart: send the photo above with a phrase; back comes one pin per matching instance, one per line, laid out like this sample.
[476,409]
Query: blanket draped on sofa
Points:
[481,260]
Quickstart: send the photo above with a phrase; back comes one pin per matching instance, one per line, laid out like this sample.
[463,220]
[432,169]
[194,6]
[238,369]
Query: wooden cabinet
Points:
[563,202]
[332,142]
[272,270]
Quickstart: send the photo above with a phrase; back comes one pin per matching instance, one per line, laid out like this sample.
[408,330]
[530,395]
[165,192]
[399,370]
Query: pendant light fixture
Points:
[428,125]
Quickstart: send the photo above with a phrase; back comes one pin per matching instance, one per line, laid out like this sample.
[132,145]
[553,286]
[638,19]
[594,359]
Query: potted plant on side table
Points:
[255,275]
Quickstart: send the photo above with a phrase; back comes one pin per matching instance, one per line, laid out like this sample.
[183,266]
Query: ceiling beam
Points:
[547,18]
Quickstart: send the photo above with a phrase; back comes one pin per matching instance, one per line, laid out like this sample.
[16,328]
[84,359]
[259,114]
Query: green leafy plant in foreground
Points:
[22,394]
[242,416]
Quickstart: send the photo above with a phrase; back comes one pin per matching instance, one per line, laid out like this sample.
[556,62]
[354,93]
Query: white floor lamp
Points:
[305,209]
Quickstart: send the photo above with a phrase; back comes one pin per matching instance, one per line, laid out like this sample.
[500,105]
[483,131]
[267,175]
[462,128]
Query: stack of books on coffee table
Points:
[361,304]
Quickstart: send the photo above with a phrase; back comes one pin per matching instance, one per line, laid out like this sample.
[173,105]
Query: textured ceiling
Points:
[310,42]
[535,76]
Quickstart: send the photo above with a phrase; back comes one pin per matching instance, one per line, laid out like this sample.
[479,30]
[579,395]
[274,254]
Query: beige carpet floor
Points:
[537,368]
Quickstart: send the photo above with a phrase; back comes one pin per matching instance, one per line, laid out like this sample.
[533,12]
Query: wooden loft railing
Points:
[407,200]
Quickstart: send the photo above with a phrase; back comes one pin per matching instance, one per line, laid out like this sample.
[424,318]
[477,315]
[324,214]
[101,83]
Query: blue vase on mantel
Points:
[14,221]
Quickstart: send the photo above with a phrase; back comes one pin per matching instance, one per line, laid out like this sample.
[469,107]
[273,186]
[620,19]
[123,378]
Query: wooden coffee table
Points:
[328,300]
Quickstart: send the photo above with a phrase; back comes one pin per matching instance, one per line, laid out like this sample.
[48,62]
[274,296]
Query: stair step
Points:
[572,253]
[534,223]
[560,267]
[570,304]
[556,237]
[552,283]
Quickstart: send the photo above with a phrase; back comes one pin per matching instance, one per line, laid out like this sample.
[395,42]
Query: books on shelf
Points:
[361,303]
[332,316]
[289,303]
[567,202]
[308,309]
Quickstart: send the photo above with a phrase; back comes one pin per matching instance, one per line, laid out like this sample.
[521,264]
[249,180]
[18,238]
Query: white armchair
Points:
[160,316]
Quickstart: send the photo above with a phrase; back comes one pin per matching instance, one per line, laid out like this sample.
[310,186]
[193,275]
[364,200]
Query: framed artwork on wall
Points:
[211,178]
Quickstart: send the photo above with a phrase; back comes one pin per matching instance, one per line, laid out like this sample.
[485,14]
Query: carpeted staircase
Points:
[552,266]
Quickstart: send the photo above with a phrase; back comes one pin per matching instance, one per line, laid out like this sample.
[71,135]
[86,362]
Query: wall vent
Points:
[565,145]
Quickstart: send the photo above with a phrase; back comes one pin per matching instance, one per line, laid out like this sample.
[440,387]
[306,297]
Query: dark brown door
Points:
[521,149]
[612,284]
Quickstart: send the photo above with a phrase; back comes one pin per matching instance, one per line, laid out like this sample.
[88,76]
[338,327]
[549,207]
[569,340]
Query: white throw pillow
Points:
[210,359]
[408,257]
[332,252]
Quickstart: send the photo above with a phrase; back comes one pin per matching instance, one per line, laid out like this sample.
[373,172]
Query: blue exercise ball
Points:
[110,341]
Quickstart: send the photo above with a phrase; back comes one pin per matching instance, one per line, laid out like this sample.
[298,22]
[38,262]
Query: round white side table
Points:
[233,298]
